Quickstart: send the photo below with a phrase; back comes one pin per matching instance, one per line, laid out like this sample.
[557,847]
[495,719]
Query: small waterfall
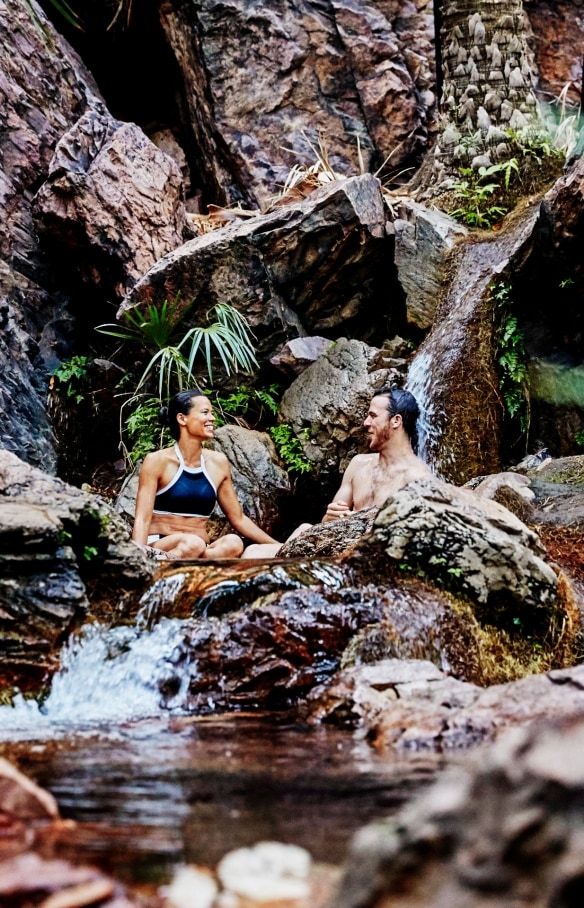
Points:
[419,383]
[106,675]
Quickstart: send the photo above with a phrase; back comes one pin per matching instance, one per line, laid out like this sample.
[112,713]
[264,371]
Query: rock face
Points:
[339,69]
[62,551]
[115,198]
[299,353]
[558,31]
[506,831]
[424,239]
[329,401]
[319,264]
[44,89]
[487,551]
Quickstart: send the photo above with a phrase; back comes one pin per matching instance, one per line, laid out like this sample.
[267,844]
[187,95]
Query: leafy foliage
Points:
[511,356]
[290,449]
[175,357]
[72,378]
[247,405]
[144,430]
[476,194]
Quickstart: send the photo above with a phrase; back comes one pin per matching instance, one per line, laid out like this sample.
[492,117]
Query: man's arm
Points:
[342,503]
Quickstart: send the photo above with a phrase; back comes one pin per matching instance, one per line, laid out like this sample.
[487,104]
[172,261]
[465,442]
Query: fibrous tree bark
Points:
[487,84]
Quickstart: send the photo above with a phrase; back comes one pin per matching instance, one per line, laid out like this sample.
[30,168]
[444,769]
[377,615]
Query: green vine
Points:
[511,355]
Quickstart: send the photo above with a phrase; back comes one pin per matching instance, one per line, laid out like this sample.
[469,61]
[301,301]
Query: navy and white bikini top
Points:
[190,492]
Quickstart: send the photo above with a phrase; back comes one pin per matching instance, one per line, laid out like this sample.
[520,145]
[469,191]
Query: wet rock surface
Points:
[271,653]
[506,830]
[463,407]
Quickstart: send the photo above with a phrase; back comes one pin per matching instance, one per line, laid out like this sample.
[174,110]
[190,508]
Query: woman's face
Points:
[199,422]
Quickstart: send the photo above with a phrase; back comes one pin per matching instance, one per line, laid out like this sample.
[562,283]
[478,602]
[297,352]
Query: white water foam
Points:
[419,383]
[106,675]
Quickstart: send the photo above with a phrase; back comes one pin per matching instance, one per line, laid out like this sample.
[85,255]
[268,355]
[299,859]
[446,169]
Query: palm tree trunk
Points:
[487,82]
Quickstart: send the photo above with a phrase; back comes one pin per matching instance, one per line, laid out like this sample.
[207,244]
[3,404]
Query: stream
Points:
[151,787]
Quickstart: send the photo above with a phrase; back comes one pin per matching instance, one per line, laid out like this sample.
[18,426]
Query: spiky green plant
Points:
[174,353]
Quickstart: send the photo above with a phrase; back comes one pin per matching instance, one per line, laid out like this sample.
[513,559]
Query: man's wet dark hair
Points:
[180,403]
[402,403]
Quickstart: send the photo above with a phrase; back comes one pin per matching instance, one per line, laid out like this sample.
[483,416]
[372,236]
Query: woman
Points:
[179,486]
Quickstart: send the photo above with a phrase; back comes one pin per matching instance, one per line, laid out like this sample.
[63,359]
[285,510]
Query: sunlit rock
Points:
[424,239]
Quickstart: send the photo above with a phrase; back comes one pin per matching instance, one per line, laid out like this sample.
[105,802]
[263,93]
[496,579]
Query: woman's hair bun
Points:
[163,416]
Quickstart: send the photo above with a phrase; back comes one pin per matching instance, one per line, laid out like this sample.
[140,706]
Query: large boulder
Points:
[327,403]
[63,552]
[487,553]
[113,197]
[410,704]
[504,830]
[309,266]
[262,486]
[424,240]
[265,633]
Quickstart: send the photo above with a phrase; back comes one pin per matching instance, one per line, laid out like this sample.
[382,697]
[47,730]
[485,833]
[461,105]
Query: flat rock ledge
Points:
[410,705]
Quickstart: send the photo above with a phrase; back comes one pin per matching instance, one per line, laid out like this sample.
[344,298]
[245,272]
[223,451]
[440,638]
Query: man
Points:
[370,479]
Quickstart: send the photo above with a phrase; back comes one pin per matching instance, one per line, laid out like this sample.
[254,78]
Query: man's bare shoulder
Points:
[361,462]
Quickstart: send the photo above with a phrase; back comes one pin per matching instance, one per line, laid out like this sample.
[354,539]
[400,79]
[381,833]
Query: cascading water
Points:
[109,674]
[419,383]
